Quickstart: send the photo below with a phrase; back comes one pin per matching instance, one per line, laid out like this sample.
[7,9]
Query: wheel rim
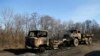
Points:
[90,40]
[76,42]
[86,41]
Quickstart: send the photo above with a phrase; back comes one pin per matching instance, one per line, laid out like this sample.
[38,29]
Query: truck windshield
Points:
[37,34]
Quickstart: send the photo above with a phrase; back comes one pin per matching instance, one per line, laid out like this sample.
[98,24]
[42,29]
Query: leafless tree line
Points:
[15,26]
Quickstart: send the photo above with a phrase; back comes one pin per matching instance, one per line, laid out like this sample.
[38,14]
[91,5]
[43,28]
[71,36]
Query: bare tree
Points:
[34,21]
[70,24]
[7,15]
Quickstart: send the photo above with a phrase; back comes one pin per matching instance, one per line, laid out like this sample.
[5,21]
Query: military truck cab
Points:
[36,39]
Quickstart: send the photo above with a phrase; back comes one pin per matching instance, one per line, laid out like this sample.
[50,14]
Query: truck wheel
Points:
[75,42]
[41,49]
[90,40]
[86,41]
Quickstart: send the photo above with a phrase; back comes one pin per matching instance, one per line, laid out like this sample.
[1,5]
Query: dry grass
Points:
[11,40]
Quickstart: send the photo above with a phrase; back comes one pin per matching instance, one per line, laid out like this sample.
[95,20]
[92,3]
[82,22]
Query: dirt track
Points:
[81,50]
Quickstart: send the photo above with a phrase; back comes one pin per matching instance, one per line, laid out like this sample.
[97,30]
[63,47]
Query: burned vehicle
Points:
[74,37]
[37,39]
[56,43]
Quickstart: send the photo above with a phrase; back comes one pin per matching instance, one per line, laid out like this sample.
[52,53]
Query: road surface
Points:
[81,50]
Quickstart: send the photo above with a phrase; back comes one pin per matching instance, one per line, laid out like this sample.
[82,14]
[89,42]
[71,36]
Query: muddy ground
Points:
[81,50]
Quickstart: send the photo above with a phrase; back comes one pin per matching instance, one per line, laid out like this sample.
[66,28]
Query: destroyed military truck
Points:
[56,43]
[74,37]
[37,39]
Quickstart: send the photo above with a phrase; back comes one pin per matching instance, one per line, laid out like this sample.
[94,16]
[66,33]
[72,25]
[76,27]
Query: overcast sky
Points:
[76,10]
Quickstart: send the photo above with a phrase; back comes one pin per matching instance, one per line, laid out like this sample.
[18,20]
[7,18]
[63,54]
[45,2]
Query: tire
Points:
[90,40]
[86,41]
[75,42]
[41,49]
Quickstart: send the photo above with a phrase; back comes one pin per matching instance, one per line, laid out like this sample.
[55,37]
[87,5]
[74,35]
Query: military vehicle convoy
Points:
[38,39]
